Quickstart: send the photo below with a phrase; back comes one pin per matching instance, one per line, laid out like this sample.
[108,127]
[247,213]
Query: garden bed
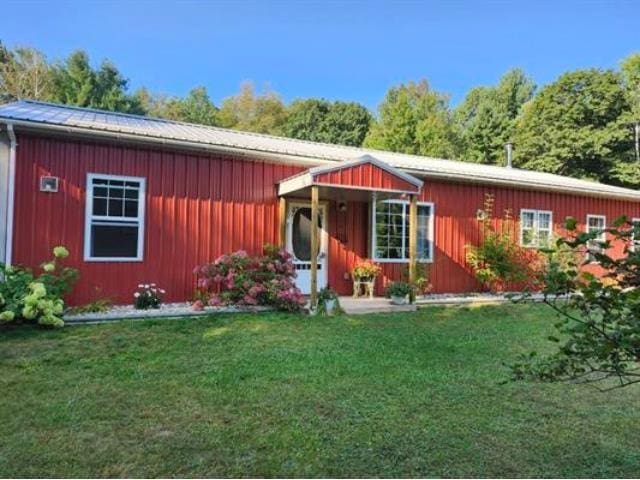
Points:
[181,309]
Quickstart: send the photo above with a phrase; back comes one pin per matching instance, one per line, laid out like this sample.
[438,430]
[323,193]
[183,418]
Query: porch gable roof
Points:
[363,173]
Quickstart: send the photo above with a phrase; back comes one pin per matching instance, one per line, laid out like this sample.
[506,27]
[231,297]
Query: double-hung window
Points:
[596,223]
[536,227]
[635,234]
[114,228]
[391,231]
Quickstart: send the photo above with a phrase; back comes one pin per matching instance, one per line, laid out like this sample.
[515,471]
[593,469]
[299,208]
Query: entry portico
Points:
[363,179]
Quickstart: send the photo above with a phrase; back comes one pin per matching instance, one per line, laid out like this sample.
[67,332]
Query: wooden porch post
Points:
[413,241]
[314,246]
[282,213]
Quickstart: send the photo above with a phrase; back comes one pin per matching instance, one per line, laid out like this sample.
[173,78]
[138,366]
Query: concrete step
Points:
[361,306]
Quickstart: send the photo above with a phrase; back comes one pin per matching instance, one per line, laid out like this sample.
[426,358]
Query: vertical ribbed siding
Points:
[199,206]
[365,176]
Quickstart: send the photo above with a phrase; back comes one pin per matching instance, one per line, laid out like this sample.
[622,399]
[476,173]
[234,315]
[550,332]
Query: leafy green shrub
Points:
[498,260]
[25,296]
[398,289]
[598,332]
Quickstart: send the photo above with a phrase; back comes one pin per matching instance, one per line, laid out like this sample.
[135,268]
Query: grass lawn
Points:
[285,395]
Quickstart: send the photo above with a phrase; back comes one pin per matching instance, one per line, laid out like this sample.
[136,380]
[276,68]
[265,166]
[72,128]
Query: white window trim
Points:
[634,243]
[89,218]
[401,260]
[536,226]
[604,234]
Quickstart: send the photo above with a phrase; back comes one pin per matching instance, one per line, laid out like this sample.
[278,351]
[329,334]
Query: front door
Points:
[299,243]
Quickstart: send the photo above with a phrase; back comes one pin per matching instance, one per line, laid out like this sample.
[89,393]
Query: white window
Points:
[596,223]
[391,231]
[635,236]
[536,228]
[114,225]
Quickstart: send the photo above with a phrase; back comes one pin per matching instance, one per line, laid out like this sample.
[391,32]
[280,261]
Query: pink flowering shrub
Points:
[240,279]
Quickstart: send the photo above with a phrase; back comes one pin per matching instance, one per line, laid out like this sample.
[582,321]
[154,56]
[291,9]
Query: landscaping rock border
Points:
[183,309]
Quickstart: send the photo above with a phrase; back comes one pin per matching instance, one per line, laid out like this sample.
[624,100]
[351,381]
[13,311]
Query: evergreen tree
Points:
[487,117]
[75,82]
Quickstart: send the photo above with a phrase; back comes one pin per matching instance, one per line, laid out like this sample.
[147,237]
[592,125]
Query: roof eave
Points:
[308,160]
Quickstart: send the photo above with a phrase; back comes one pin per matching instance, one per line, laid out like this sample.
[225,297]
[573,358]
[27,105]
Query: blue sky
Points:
[337,50]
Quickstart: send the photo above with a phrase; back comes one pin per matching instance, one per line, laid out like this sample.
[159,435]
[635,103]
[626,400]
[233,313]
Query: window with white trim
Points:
[536,228]
[114,226]
[596,223]
[635,235]
[391,231]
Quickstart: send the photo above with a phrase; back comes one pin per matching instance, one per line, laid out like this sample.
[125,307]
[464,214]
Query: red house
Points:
[138,199]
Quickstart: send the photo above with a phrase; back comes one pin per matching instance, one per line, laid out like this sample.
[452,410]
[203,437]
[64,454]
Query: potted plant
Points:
[398,292]
[365,271]
[328,301]
[364,274]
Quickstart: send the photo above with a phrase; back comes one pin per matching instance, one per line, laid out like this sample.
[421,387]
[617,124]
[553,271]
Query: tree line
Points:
[585,124]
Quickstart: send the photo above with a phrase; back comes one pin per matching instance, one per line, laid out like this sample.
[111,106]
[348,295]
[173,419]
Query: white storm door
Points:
[299,243]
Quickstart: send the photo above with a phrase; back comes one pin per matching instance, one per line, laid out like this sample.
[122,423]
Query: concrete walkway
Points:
[358,306]
[355,306]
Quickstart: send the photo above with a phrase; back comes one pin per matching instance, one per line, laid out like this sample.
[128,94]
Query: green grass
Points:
[285,395]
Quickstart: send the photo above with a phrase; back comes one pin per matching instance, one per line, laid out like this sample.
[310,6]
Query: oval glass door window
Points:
[301,238]
[301,233]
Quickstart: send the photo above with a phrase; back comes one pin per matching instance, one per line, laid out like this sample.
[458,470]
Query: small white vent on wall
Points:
[49,184]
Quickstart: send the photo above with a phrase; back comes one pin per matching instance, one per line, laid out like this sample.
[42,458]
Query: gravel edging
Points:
[169,310]
[475,298]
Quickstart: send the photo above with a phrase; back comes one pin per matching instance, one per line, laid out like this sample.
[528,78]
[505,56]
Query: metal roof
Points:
[65,118]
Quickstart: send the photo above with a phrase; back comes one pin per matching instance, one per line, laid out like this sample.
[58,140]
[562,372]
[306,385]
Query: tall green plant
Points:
[498,260]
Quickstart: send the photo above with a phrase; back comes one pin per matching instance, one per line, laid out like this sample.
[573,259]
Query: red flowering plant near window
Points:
[240,279]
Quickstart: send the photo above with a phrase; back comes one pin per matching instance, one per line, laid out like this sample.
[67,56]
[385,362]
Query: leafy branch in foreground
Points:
[595,293]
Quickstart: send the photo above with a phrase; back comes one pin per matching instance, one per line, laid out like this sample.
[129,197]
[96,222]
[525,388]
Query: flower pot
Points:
[364,279]
[330,305]
[396,300]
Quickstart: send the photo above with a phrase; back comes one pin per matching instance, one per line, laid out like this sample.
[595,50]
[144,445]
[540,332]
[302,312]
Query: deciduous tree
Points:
[572,127]
[487,117]
[262,113]
[415,119]
[599,316]
[318,120]
[24,74]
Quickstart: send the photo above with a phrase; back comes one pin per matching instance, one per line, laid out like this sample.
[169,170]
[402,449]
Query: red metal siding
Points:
[197,207]
[365,175]
[200,206]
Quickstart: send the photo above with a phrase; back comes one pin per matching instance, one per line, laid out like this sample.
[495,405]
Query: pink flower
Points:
[249,300]
[215,301]
[198,306]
